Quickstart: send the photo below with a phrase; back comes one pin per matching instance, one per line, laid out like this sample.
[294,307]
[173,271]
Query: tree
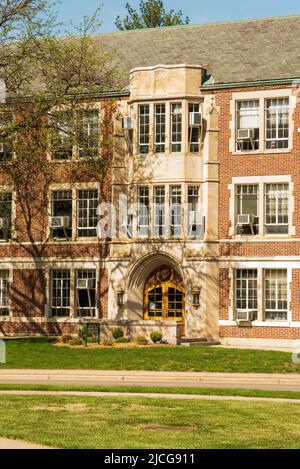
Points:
[152,15]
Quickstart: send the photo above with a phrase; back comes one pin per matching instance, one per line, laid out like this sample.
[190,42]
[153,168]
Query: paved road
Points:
[148,395]
[283,382]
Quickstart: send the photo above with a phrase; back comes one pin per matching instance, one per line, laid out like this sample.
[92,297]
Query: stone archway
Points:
[141,274]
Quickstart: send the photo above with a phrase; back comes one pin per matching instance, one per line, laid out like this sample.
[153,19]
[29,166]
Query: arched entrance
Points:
[164,296]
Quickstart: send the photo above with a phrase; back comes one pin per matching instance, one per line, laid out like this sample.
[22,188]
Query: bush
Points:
[76,341]
[156,336]
[108,342]
[117,333]
[141,340]
[122,340]
[65,338]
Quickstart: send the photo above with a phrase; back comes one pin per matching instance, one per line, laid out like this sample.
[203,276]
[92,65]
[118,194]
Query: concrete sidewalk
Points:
[6,443]
[280,382]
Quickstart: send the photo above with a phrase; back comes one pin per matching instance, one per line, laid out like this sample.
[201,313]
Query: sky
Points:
[199,11]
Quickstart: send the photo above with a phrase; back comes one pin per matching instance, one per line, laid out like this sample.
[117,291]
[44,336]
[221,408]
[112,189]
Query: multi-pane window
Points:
[61,211]
[194,130]
[87,202]
[276,294]
[60,293]
[88,133]
[195,219]
[247,131]
[4,293]
[159,199]
[6,140]
[176,127]
[143,211]
[62,135]
[86,293]
[144,128]
[160,127]
[5,214]
[175,211]
[276,208]
[246,289]
[247,204]
[277,123]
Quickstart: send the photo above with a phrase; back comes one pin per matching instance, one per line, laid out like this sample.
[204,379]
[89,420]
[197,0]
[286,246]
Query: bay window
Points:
[159,199]
[175,211]
[143,211]
[176,127]
[160,127]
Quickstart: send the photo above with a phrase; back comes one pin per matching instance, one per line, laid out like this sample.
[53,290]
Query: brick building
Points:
[203,238]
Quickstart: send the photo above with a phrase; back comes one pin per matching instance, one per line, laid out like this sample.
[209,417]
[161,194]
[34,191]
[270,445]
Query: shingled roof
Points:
[237,51]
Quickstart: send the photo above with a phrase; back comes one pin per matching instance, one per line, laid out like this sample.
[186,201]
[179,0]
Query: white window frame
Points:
[261,181]
[5,190]
[61,292]
[262,96]
[88,274]
[143,125]
[181,124]
[247,298]
[88,226]
[8,280]
[277,138]
[159,210]
[143,212]
[277,199]
[177,212]
[159,123]
[276,299]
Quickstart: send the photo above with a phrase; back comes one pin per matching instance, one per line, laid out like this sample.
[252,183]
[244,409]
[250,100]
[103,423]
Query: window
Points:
[4,293]
[246,289]
[61,210]
[87,203]
[247,118]
[5,215]
[6,140]
[276,287]
[194,131]
[88,133]
[160,127]
[86,293]
[62,135]
[144,128]
[60,293]
[159,211]
[176,127]
[276,208]
[247,204]
[175,211]
[277,123]
[143,211]
[195,219]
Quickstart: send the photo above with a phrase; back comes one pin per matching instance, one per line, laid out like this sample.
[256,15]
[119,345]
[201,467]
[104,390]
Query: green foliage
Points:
[152,15]
[141,340]
[156,336]
[117,333]
[122,340]
[65,338]
[76,341]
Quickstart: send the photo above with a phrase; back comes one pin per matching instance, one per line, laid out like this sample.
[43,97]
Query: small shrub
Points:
[156,336]
[66,338]
[122,340]
[92,340]
[141,340]
[76,341]
[117,333]
[108,342]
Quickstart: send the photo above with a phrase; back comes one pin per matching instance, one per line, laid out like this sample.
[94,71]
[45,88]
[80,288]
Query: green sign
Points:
[91,330]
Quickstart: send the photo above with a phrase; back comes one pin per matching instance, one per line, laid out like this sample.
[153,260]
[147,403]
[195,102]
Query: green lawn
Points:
[156,390]
[42,354]
[130,422]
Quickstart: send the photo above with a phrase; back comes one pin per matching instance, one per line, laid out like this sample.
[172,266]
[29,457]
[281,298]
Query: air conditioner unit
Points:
[246,134]
[195,218]
[127,123]
[246,315]
[85,283]
[195,119]
[246,220]
[4,223]
[60,222]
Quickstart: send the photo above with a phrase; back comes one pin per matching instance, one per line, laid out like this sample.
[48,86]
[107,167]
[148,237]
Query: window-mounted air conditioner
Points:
[195,218]
[246,134]
[246,315]
[245,220]
[85,283]
[195,119]
[60,222]
[3,223]
[127,123]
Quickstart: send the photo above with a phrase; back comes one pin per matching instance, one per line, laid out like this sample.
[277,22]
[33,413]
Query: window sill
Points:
[283,151]
[263,323]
